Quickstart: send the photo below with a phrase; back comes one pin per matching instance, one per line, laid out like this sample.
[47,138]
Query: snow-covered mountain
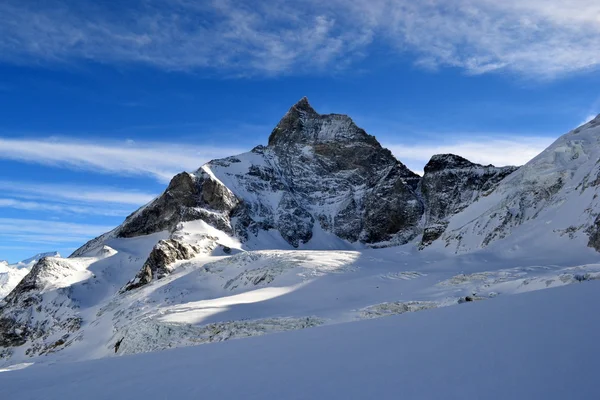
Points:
[11,274]
[320,175]
[28,263]
[323,225]
[322,182]
[554,195]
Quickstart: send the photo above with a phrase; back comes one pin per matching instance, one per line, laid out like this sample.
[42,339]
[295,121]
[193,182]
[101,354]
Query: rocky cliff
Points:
[449,185]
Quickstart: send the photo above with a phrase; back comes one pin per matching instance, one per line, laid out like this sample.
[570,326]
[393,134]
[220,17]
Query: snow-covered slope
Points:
[554,195]
[540,345]
[80,308]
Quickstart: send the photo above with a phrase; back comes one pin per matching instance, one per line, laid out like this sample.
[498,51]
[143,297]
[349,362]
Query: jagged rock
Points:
[325,170]
[188,197]
[164,254]
[594,234]
[450,184]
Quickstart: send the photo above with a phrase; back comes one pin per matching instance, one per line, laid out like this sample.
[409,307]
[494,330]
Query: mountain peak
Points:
[440,162]
[39,256]
[304,106]
[303,125]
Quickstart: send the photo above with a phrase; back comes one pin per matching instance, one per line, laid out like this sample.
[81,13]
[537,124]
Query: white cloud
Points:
[159,160]
[543,38]
[482,150]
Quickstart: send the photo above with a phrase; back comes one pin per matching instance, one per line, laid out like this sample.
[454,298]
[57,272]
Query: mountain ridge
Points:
[309,156]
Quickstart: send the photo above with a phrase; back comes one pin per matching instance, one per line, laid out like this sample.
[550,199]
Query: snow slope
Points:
[76,310]
[535,346]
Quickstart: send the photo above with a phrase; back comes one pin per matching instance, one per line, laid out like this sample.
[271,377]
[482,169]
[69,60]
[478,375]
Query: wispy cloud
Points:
[71,199]
[159,160]
[62,208]
[542,38]
[499,151]
[74,192]
[16,225]
[47,232]
[25,237]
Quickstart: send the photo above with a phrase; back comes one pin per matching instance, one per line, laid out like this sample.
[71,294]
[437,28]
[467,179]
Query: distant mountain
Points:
[32,260]
[11,274]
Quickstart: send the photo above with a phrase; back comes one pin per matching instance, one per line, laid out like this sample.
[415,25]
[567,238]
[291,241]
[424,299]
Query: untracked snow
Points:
[535,346]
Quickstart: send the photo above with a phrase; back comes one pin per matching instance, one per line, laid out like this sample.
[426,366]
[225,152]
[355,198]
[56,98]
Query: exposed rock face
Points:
[164,254]
[322,170]
[449,185]
[188,197]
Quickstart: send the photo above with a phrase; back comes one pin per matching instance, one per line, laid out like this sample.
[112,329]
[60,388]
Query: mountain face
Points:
[26,315]
[321,182]
[322,172]
[449,185]
[319,173]
[554,195]
[232,234]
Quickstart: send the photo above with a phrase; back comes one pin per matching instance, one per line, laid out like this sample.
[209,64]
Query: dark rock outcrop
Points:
[164,254]
[188,197]
[449,185]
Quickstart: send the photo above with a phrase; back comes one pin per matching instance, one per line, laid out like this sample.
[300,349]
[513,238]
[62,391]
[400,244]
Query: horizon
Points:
[99,114]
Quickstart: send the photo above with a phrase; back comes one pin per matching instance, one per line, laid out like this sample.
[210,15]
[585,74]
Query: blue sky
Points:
[102,102]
